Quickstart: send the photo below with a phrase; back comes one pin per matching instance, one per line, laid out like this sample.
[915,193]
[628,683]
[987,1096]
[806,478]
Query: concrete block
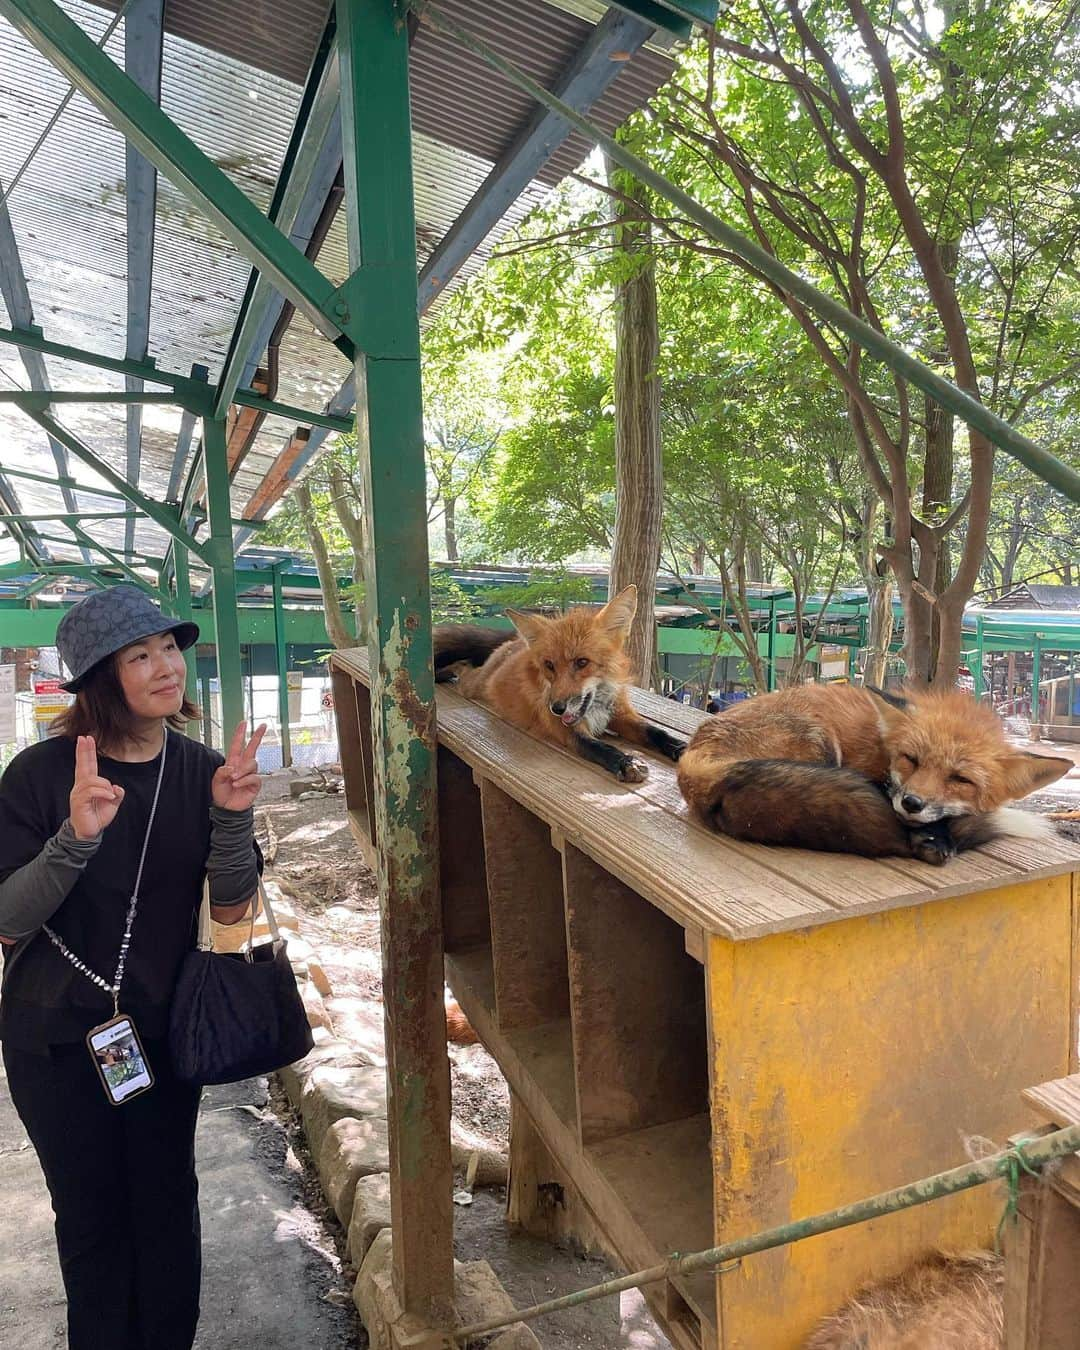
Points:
[360,1021]
[332,1092]
[317,1013]
[370,1214]
[328,1050]
[351,1149]
[478,1296]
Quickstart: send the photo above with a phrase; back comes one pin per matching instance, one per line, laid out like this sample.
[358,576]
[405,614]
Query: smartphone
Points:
[120,1060]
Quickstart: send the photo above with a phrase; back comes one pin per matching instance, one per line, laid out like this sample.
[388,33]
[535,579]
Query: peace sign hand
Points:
[94,801]
[237,783]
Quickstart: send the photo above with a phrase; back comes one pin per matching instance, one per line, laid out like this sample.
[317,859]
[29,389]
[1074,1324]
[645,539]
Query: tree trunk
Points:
[345,490]
[336,628]
[879,634]
[639,478]
[450,524]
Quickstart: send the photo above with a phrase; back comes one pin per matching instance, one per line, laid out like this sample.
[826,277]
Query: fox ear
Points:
[1024,772]
[618,614]
[892,712]
[529,626]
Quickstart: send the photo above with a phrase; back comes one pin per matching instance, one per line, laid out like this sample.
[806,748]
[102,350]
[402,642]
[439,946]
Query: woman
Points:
[106,833]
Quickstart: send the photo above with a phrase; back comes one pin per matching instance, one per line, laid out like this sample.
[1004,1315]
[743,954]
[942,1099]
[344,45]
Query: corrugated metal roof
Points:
[232,76]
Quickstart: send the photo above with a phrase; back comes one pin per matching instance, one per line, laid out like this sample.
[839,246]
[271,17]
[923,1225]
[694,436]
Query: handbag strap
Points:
[205,941]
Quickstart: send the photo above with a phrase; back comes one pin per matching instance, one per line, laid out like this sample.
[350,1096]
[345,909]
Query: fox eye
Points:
[581,662]
[911,759]
[959,778]
[550,667]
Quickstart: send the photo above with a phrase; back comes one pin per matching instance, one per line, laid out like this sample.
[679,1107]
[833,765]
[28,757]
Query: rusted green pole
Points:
[1030,1156]
[377,309]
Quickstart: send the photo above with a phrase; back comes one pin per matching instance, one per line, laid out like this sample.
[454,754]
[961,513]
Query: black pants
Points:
[123,1187]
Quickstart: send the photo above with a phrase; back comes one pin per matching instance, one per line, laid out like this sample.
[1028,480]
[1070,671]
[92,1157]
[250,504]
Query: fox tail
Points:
[454,642]
[793,803]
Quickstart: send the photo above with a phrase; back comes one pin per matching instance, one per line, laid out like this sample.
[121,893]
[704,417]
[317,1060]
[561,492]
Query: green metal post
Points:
[282,671]
[770,673]
[221,561]
[373,56]
[977,673]
[1036,678]
[207,712]
[183,611]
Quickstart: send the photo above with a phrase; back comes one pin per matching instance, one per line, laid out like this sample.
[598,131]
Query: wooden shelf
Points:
[651,1190]
[663,1176]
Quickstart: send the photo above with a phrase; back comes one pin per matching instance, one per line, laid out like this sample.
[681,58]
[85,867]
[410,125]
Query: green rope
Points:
[1014,1160]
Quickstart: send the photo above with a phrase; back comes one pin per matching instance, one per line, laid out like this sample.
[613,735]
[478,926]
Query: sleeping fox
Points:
[563,679]
[854,770]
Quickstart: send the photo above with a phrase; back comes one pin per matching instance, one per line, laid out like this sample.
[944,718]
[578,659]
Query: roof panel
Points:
[232,76]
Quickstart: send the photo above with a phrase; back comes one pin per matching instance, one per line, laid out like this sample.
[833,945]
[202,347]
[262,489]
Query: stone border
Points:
[339,1090]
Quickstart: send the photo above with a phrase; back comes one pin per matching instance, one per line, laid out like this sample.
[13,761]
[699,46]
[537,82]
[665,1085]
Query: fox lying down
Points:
[853,770]
[565,680]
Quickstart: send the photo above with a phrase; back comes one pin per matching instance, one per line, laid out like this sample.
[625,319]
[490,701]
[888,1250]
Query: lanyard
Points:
[125,943]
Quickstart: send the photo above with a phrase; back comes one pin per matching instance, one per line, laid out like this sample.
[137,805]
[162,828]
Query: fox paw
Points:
[933,843]
[632,770]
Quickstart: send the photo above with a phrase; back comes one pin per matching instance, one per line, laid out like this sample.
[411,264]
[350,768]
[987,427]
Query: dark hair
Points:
[100,710]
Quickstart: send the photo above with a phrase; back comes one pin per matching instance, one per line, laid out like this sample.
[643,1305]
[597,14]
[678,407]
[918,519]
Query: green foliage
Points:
[554,589]
[449,603]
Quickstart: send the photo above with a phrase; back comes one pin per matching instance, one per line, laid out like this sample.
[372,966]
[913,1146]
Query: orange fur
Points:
[944,1302]
[805,766]
[458,1027]
[574,662]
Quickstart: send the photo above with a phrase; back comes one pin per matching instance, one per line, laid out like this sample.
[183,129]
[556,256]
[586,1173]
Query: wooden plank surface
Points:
[643,834]
[1057,1102]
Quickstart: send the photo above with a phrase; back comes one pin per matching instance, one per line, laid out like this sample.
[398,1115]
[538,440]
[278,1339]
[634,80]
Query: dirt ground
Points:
[339,914]
[338,908]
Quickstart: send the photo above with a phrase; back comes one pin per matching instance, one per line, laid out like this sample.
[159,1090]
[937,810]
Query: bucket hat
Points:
[108,620]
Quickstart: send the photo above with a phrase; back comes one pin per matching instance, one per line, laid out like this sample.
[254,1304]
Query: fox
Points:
[564,680]
[839,768]
[946,1301]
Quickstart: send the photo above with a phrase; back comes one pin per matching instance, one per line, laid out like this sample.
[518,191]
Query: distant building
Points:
[1032,596]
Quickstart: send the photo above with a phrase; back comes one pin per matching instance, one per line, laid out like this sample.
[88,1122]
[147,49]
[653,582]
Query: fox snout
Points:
[914,809]
[573,708]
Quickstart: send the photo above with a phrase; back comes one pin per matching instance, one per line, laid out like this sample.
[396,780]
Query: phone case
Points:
[113,1081]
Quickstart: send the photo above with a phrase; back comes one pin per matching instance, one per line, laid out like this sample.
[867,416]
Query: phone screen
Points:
[120,1059]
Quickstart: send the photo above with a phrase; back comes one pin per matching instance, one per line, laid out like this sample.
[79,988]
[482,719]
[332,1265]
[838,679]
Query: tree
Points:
[908,172]
[639,467]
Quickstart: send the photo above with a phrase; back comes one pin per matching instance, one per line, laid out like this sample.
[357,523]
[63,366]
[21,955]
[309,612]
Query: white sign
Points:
[50,700]
[7,705]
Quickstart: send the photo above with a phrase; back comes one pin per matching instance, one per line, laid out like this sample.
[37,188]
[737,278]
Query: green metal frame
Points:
[220,550]
[282,669]
[164,145]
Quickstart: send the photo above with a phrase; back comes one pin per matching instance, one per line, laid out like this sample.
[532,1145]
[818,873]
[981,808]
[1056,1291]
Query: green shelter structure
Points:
[222,223]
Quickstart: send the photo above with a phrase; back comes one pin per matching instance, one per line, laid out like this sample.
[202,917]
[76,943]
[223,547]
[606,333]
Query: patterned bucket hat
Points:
[108,620]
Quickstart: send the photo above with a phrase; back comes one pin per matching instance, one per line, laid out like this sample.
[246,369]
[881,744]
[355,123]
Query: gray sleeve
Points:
[31,895]
[231,865]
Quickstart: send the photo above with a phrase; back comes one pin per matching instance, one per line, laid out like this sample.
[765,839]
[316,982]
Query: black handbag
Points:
[235,1015]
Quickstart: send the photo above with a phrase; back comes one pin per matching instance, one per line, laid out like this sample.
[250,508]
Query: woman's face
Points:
[152,673]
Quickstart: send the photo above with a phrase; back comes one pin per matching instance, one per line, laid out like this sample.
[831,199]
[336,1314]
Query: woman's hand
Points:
[236,784]
[94,801]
